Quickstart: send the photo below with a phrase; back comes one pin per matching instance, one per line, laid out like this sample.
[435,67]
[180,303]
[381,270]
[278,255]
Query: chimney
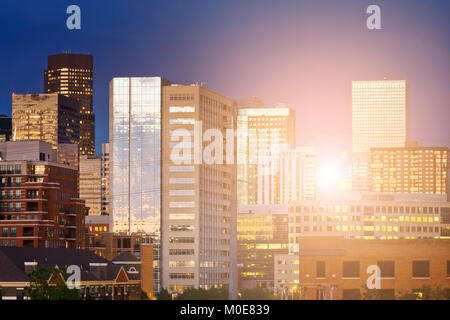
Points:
[30,266]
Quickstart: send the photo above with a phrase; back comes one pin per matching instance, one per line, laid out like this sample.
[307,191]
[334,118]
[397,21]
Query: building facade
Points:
[371,216]
[333,268]
[199,191]
[52,118]
[72,75]
[90,183]
[379,120]
[410,169]
[261,134]
[40,206]
[5,128]
[105,179]
[262,233]
[187,209]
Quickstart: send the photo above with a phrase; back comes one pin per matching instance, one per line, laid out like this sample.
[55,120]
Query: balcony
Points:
[28,234]
[71,225]
[71,237]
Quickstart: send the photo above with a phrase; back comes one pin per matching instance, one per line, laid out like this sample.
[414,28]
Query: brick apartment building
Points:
[39,202]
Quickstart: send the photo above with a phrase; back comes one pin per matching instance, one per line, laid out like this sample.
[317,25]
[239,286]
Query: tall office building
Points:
[261,134]
[410,169]
[293,171]
[105,178]
[379,114]
[379,120]
[189,208]
[51,117]
[72,75]
[90,183]
[199,199]
[5,128]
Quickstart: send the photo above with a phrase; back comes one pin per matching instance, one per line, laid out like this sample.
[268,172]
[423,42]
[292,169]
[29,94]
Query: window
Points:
[182,180]
[13,232]
[181,192]
[181,168]
[181,204]
[448,268]
[182,109]
[387,269]
[181,216]
[351,294]
[126,243]
[320,269]
[182,121]
[350,269]
[421,269]
[4,232]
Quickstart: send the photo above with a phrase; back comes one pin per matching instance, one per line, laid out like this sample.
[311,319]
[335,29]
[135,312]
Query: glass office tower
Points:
[135,155]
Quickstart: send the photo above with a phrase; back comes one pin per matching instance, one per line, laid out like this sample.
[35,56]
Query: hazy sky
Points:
[303,53]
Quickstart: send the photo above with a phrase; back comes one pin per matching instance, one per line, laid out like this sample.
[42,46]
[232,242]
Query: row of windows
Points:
[351,269]
[366,209]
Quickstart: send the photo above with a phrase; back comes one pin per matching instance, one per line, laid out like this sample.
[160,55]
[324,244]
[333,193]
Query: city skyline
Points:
[296,75]
[239,150]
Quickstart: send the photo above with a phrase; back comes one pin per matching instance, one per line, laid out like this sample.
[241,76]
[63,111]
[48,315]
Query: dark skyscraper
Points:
[72,74]
[5,128]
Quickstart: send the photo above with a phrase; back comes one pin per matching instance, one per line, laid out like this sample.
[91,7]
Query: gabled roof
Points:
[9,272]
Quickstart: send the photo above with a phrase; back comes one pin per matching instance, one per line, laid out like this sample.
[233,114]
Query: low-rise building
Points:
[371,216]
[261,234]
[100,279]
[337,268]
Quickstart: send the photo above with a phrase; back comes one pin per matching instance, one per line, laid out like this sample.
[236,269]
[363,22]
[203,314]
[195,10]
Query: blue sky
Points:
[303,53]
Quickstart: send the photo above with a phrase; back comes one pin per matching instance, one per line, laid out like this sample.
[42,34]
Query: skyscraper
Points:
[51,117]
[72,75]
[199,199]
[90,183]
[190,209]
[379,114]
[5,128]
[135,154]
[261,133]
[379,120]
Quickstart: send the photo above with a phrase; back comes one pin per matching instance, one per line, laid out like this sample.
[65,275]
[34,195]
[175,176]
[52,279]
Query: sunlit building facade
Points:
[374,215]
[261,134]
[135,154]
[410,169]
[90,183]
[105,179]
[262,233]
[199,194]
[379,114]
[51,117]
[72,75]
[379,120]
[335,268]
